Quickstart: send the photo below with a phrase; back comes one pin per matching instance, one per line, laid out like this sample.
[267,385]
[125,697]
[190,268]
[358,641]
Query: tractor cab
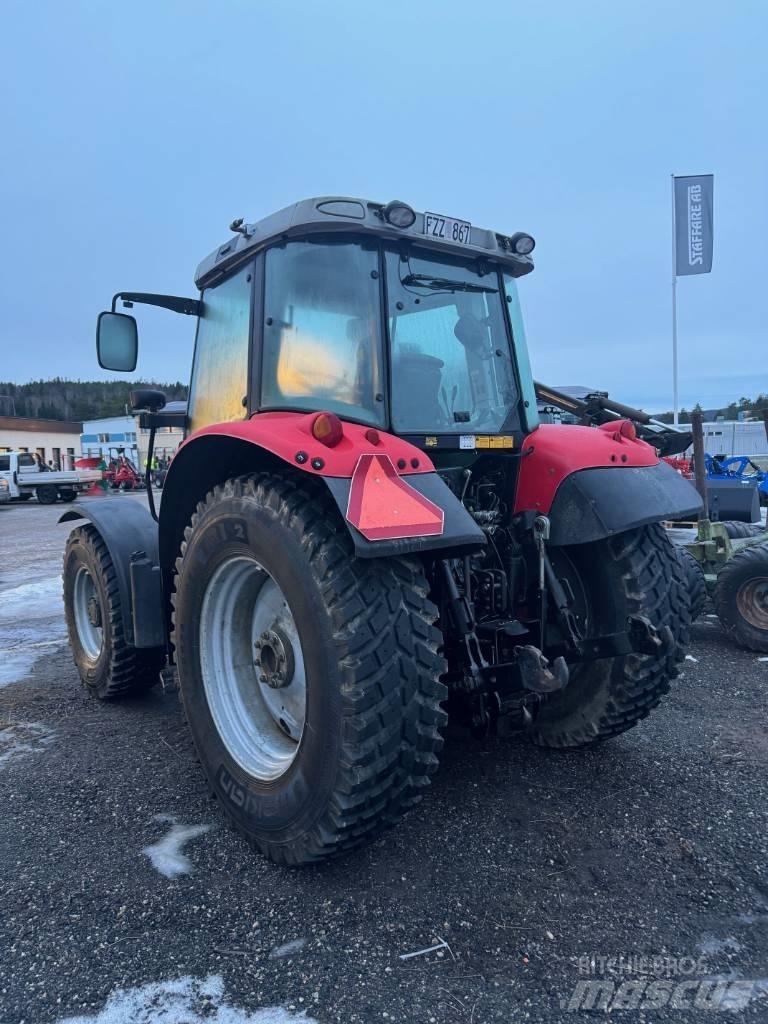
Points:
[409,323]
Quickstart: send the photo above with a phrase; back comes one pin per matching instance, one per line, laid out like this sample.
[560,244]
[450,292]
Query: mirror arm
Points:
[176,303]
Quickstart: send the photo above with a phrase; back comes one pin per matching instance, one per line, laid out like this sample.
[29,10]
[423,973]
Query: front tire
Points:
[633,573]
[267,578]
[108,666]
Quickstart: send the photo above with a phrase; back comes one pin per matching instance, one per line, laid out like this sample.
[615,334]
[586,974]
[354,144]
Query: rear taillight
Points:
[625,428]
[327,429]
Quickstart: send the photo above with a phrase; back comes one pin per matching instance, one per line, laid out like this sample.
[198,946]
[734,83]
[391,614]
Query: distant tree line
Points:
[76,400]
[752,407]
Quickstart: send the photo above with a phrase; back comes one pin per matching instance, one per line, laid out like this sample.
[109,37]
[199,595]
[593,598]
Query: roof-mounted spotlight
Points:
[522,244]
[398,214]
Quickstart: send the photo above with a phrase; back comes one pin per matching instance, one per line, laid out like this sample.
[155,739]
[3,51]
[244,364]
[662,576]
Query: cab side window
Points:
[220,371]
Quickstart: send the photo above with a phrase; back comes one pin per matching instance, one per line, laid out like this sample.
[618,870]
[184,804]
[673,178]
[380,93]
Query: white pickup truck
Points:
[23,479]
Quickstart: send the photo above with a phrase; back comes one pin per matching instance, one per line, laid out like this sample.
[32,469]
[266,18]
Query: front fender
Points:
[127,529]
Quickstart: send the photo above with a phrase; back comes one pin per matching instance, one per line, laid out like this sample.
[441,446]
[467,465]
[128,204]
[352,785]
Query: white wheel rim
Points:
[88,614]
[253,668]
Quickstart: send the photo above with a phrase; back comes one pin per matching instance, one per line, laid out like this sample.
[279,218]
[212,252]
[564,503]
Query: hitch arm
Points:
[464,622]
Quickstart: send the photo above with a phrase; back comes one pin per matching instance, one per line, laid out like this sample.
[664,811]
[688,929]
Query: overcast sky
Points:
[132,134]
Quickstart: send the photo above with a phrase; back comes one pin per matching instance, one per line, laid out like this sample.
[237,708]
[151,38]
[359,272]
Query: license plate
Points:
[447,228]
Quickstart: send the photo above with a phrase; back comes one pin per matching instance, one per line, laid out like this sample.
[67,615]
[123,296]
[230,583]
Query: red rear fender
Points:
[558,451]
[289,436]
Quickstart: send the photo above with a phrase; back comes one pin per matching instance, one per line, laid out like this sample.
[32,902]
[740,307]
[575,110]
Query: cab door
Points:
[218,390]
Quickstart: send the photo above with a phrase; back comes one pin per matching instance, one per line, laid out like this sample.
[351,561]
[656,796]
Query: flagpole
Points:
[675,409]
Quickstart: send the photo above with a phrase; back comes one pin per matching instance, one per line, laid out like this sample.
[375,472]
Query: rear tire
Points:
[364,691]
[633,573]
[108,666]
[741,597]
[697,585]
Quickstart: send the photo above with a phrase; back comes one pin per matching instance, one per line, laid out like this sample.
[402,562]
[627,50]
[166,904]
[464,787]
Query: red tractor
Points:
[366,529]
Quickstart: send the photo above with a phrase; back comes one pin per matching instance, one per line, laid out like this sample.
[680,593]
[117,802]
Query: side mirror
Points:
[117,342]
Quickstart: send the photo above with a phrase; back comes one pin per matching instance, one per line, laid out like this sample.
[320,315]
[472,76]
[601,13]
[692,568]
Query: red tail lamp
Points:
[327,429]
[626,428]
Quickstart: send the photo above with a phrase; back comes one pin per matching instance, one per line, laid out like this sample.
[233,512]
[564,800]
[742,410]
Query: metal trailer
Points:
[728,561]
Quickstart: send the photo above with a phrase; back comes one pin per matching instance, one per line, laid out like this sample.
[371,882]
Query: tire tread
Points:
[387,643]
[132,670]
[654,584]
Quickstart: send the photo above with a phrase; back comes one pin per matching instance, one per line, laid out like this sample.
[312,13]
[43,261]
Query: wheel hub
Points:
[253,667]
[86,609]
[94,612]
[752,601]
[274,658]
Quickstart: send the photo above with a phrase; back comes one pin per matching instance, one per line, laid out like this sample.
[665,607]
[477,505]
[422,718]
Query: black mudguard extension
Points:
[460,532]
[595,503]
[126,527]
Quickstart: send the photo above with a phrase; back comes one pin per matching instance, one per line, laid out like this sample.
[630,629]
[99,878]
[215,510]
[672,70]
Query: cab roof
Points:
[328,214]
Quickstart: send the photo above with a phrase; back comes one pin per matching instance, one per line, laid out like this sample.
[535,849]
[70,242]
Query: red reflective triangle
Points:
[382,506]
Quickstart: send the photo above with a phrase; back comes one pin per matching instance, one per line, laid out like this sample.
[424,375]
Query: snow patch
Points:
[29,612]
[18,739]
[18,662]
[711,944]
[762,659]
[690,657]
[288,948]
[183,1001]
[166,855]
[39,600]
[751,918]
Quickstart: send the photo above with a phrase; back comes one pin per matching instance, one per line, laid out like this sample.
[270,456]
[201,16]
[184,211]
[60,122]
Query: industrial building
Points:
[735,437]
[57,442]
[115,435]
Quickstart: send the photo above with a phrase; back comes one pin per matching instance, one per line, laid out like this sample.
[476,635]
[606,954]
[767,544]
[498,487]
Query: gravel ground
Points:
[125,897]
